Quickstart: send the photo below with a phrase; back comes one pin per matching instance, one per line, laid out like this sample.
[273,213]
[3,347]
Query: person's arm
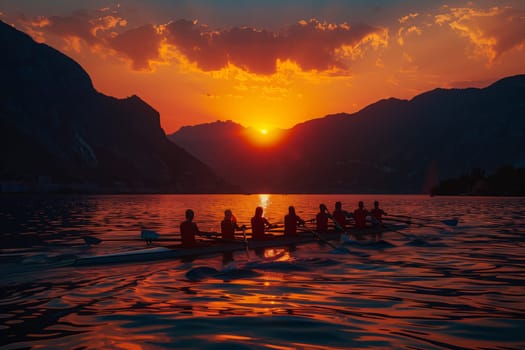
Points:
[300,221]
[239,228]
[267,223]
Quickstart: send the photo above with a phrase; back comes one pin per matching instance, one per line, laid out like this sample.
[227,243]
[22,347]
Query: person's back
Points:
[290,222]
[377,214]
[259,223]
[360,215]
[188,230]
[339,216]
[228,225]
[321,219]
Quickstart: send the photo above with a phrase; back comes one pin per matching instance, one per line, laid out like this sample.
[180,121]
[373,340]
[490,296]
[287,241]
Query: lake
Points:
[428,286]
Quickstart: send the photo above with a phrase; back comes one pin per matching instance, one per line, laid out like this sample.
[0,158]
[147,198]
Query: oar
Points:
[215,237]
[245,241]
[448,222]
[336,224]
[411,223]
[393,230]
[90,240]
[275,231]
[147,236]
[321,239]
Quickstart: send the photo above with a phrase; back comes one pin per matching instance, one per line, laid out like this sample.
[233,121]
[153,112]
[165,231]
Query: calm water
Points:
[426,287]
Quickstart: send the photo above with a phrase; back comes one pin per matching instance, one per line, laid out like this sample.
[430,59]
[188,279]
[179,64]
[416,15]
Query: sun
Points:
[263,136]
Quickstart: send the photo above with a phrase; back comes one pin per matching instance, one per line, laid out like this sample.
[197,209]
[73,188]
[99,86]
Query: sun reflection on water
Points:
[458,287]
[264,200]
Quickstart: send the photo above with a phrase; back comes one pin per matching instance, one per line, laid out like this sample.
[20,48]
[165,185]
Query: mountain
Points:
[229,149]
[55,126]
[391,146]
[506,181]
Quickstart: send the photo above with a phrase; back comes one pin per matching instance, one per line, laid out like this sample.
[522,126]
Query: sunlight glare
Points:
[264,200]
[264,136]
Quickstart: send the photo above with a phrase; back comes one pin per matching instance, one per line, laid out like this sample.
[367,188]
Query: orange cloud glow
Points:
[268,79]
[492,32]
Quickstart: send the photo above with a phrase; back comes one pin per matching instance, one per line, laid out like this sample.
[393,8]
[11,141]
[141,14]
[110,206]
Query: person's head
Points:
[228,214]
[322,208]
[376,204]
[258,211]
[291,209]
[189,214]
[338,205]
[361,204]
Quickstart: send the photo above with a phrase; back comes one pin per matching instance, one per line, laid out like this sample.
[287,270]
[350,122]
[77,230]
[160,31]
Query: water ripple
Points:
[420,288]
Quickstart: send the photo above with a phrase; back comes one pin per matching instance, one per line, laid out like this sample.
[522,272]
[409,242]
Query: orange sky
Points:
[275,76]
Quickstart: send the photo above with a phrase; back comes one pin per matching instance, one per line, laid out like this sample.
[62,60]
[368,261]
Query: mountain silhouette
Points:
[391,146]
[55,125]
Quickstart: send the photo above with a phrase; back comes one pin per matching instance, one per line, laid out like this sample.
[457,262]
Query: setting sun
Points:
[263,137]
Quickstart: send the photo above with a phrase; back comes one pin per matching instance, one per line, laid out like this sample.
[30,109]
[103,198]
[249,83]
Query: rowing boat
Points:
[218,246]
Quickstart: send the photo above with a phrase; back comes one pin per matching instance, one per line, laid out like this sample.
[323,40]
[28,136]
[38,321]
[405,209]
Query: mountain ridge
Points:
[49,109]
[392,145]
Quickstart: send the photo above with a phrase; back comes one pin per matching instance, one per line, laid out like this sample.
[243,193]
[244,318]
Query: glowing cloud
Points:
[492,32]
[276,72]
[312,45]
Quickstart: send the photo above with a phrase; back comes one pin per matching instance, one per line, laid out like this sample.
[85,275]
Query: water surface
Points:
[428,286]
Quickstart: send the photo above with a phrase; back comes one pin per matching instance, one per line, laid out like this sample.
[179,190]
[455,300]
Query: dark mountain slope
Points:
[390,146]
[59,126]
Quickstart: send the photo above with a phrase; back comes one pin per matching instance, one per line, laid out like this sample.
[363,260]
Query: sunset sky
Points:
[273,64]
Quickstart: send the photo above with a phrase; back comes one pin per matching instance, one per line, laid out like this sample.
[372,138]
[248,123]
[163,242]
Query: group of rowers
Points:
[260,224]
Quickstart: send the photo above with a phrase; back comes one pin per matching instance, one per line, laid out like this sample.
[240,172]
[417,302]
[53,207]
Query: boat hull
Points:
[218,246]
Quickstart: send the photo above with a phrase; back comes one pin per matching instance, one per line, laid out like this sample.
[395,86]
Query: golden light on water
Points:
[264,200]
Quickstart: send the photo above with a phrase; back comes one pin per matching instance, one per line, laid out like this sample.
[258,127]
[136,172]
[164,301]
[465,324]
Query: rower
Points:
[340,216]
[259,224]
[229,225]
[291,221]
[321,219]
[377,215]
[360,215]
[188,230]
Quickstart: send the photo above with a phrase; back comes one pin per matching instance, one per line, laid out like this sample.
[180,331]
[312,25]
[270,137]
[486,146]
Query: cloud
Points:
[312,45]
[91,27]
[492,32]
[102,28]
[140,45]
[404,19]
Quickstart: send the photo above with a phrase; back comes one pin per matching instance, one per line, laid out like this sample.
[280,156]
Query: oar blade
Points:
[149,235]
[91,240]
[450,222]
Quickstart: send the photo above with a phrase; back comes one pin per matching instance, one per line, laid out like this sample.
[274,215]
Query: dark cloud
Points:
[140,45]
[312,45]
[78,25]
[494,31]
